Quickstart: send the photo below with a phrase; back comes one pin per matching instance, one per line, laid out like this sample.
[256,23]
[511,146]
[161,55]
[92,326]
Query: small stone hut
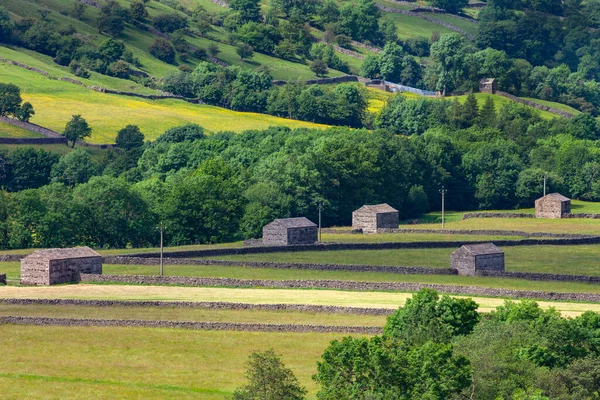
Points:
[552,205]
[370,218]
[2,279]
[488,85]
[471,259]
[56,266]
[290,231]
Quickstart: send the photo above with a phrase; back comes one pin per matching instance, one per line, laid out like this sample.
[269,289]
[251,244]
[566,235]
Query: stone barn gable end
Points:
[56,266]
[488,85]
[369,218]
[553,205]
[290,231]
[473,258]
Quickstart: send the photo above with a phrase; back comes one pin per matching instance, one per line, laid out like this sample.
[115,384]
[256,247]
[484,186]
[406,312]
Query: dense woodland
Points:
[438,347]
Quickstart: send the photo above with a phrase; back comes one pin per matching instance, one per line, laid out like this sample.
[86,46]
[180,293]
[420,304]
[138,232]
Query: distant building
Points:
[488,85]
[290,231]
[553,205]
[371,218]
[2,279]
[56,266]
[473,258]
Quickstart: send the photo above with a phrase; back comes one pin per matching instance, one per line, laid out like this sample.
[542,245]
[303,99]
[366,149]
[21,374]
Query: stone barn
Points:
[2,279]
[488,85]
[473,258]
[371,218]
[290,231]
[55,266]
[552,205]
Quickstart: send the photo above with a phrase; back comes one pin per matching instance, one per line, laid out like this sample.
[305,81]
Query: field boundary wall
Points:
[340,285]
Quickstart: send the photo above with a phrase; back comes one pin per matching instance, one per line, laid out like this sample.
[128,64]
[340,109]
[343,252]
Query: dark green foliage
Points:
[138,11]
[260,37]
[244,50]
[168,23]
[269,379]
[249,10]
[10,99]
[327,55]
[74,168]
[78,10]
[111,49]
[5,26]
[163,50]
[112,25]
[319,67]
[25,112]
[360,21]
[77,129]
[450,6]
[129,138]
[183,133]
[383,368]
[28,168]
[427,317]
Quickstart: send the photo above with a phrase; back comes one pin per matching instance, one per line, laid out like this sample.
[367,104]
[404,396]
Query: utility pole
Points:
[161,227]
[544,185]
[320,210]
[443,192]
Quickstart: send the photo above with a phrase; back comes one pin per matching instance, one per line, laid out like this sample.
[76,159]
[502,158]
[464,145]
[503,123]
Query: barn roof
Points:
[299,222]
[487,81]
[62,254]
[482,249]
[378,208]
[556,196]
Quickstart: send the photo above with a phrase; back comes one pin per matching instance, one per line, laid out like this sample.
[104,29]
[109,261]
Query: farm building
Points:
[55,266]
[488,85]
[371,218]
[473,258]
[2,279]
[553,205]
[290,231]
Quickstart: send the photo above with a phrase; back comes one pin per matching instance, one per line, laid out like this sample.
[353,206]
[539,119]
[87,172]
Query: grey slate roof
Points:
[300,222]
[62,254]
[482,249]
[485,81]
[556,196]
[378,208]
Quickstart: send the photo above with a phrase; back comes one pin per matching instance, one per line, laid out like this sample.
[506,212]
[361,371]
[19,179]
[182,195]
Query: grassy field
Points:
[391,300]
[469,27]
[576,260]
[500,102]
[55,102]
[560,106]
[10,131]
[111,363]
[410,27]
[192,314]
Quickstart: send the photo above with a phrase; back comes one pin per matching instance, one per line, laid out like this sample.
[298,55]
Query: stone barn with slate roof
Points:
[371,218]
[488,85]
[471,259]
[553,205]
[56,266]
[290,231]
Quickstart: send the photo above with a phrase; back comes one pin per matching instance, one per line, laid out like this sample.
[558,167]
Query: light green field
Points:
[410,27]
[500,102]
[469,27]
[12,271]
[10,131]
[192,314]
[142,363]
[55,102]
[560,106]
[391,300]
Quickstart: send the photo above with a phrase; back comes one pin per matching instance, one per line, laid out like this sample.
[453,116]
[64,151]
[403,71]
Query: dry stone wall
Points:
[218,326]
[341,285]
[535,105]
[208,305]
[496,215]
[120,260]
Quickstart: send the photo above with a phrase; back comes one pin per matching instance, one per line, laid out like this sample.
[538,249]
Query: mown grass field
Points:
[391,300]
[144,363]
[410,27]
[575,260]
[192,314]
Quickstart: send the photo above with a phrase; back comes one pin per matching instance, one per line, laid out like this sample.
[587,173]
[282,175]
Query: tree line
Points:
[226,186]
